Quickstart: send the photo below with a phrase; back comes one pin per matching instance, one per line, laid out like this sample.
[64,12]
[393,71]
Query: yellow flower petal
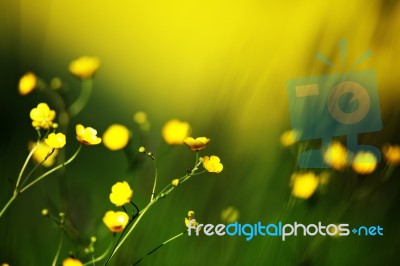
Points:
[196,144]
[391,153]
[116,137]
[55,141]
[175,131]
[336,156]
[116,221]
[290,137]
[87,136]
[72,262]
[84,66]
[304,185]
[364,162]
[27,83]
[121,193]
[42,116]
[41,153]
[212,164]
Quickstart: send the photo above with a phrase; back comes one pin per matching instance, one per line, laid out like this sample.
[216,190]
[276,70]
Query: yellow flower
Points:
[72,262]
[55,141]
[364,162]
[27,83]
[229,215]
[121,193]
[116,221]
[175,131]
[84,66]
[290,137]
[212,164]
[41,152]
[336,156]
[175,182]
[196,144]
[116,137]
[304,185]
[190,218]
[87,136]
[42,116]
[391,153]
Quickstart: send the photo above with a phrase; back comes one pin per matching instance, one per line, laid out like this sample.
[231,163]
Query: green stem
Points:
[99,258]
[8,204]
[24,167]
[159,246]
[155,180]
[36,166]
[118,246]
[83,98]
[52,170]
[58,249]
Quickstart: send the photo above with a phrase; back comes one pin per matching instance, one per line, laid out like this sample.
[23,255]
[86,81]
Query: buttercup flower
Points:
[87,136]
[196,144]
[41,152]
[72,262]
[336,156]
[175,131]
[364,162]
[121,193]
[290,137]
[55,141]
[391,153]
[116,137]
[27,83]
[304,185]
[212,164]
[42,116]
[84,67]
[229,215]
[190,218]
[116,221]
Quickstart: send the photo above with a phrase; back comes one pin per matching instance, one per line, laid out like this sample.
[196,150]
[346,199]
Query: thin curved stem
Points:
[159,246]
[36,166]
[24,167]
[83,98]
[8,204]
[58,249]
[52,170]
[155,180]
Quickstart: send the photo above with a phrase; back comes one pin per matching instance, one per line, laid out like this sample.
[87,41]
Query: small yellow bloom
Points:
[290,137]
[55,141]
[121,193]
[196,144]
[175,131]
[175,182]
[27,83]
[84,66]
[336,156]
[212,164]
[116,221]
[142,149]
[190,218]
[41,152]
[72,262]
[229,215]
[304,185]
[116,137]
[391,153]
[87,136]
[364,162]
[42,116]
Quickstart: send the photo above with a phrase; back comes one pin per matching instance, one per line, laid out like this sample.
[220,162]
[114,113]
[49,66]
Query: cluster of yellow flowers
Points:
[304,184]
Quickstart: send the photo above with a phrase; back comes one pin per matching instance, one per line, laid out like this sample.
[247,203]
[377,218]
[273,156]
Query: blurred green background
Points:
[222,66]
